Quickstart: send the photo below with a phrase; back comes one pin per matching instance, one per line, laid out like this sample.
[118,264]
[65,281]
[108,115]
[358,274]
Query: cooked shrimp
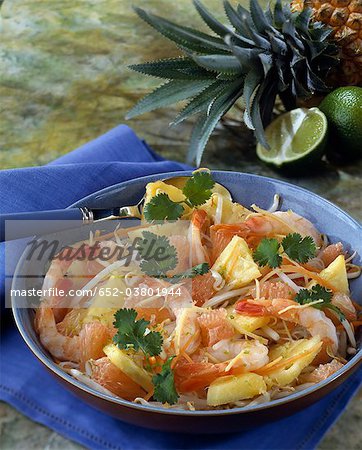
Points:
[283,222]
[344,303]
[248,354]
[215,326]
[314,320]
[322,372]
[199,223]
[64,348]
[330,253]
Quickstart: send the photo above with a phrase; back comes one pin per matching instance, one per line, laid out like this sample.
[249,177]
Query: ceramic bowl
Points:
[245,189]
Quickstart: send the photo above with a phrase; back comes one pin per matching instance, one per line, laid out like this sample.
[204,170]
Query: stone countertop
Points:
[64,81]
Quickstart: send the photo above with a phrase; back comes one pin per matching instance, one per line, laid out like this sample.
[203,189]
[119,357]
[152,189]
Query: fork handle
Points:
[12,226]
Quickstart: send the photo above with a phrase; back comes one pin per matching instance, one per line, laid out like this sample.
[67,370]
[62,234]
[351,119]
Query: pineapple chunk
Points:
[231,212]
[235,263]
[175,194]
[104,306]
[336,274]
[233,388]
[245,323]
[286,374]
[125,363]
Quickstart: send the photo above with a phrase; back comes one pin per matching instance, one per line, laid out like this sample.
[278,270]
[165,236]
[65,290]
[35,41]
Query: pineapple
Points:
[345,18]
[258,56]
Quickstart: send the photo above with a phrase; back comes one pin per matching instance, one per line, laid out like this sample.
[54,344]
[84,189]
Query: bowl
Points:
[245,189]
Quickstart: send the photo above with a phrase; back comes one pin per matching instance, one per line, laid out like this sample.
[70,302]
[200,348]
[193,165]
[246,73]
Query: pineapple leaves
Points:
[258,55]
[208,121]
[201,101]
[167,94]
[210,20]
[174,68]
[219,63]
[185,37]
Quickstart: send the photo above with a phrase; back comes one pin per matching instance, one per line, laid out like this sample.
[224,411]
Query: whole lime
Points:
[343,109]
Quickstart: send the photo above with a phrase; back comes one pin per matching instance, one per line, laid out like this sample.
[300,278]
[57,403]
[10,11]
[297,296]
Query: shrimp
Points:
[330,253]
[322,372]
[64,348]
[215,326]
[344,303]
[248,354]
[199,224]
[283,222]
[195,376]
[274,289]
[314,320]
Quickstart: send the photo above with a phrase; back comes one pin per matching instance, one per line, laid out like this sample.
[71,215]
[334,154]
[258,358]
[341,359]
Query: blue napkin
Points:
[118,156]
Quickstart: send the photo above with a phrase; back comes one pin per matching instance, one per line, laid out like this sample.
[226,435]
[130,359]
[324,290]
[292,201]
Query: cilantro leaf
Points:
[158,255]
[318,292]
[161,207]
[132,333]
[197,189]
[164,383]
[200,269]
[267,253]
[299,249]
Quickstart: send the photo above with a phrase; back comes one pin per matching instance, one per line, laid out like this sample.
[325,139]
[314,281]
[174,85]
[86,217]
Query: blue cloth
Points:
[118,156]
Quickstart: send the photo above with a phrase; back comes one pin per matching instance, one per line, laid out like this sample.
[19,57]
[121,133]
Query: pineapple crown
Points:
[260,55]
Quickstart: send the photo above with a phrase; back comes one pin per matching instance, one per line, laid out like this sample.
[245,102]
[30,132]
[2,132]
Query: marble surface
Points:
[64,81]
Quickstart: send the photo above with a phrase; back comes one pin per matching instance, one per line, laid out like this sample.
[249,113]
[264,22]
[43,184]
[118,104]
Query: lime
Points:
[296,138]
[343,109]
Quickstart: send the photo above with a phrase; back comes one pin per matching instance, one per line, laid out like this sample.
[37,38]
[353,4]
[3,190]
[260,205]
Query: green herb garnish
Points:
[164,382]
[200,269]
[267,253]
[298,248]
[316,293]
[197,191]
[158,255]
[131,333]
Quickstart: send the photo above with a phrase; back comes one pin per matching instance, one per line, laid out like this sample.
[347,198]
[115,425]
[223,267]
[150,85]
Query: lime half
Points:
[296,138]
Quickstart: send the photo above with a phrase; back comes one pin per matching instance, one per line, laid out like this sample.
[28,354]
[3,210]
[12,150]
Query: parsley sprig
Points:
[133,334]
[298,248]
[158,255]
[197,191]
[164,383]
[316,293]
[200,269]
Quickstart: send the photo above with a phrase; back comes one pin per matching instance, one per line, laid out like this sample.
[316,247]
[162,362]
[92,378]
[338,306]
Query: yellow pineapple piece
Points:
[231,212]
[245,323]
[125,363]
[175,194]
[336,274]
[233,388]
[235,263]
[304,351]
